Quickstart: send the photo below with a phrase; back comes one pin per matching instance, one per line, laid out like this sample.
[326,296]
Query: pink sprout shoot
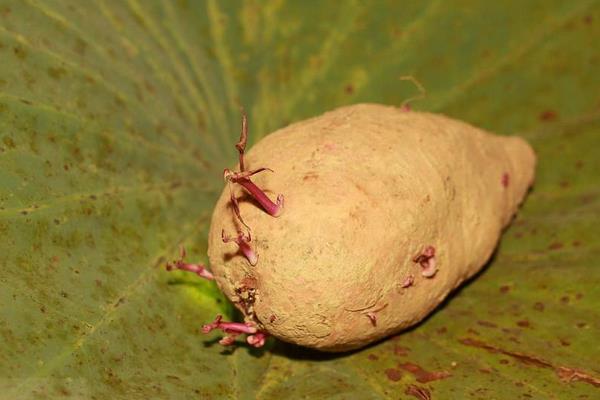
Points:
[229,327]
[427,262]
[405,106]
[408,282]
[373,318]
[243,177]
[228,340]
[505,179]
[255,337]
[197,269]
[257,340]
[243,242]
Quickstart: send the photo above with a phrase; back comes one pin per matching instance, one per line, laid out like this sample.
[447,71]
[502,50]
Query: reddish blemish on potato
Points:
[427,262]
[407,282]
[505,179]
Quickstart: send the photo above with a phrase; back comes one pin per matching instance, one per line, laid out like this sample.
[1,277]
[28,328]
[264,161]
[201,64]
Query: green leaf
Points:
[117,118]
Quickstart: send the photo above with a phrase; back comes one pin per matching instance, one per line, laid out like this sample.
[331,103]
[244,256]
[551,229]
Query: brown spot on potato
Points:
[309,176]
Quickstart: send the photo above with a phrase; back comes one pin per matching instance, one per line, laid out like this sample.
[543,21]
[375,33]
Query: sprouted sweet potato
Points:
[386,212]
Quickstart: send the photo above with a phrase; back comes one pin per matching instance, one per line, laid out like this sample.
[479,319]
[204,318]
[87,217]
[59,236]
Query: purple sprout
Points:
[242,177]
[255,337]
[243,242]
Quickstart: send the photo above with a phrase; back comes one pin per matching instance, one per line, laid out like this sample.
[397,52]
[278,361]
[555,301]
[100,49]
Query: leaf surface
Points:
[118,117]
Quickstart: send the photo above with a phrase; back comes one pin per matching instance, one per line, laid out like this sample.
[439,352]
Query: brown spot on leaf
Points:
[20,52]
[401,351]
[523,323]
[565,374]
[487,324]
[564,342]
[504,289]
[548,115]
[349,89]
[422,375]
[570,375]
[419,392]
[565,299]
[372,357]
[56,72]
[588,19]
[555,246]
[538,306]
[393,374]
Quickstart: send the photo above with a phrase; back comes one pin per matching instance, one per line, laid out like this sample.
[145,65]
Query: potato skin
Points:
[367,187]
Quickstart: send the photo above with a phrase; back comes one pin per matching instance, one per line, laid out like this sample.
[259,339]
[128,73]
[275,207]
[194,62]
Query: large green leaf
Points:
[117,117]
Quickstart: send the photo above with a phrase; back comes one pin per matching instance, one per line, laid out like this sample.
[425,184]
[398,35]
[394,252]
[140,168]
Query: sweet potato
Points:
[386,212]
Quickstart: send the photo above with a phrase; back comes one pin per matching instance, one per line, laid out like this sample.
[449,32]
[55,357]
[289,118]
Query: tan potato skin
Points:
[367,187]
